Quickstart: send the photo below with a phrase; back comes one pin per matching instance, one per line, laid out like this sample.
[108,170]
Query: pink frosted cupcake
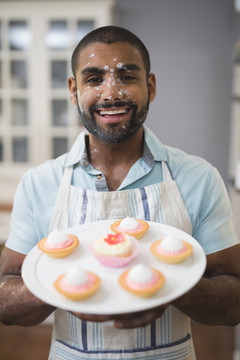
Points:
[171,249]
[115,250]
[141,280]
[131,226]
[77,284]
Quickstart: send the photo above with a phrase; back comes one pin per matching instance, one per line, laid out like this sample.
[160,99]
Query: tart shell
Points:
[173,258]
[137,234]
[59,253]
[78,295]
[144,293]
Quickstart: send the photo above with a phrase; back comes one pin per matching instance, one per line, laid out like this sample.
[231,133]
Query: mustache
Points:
[116,104]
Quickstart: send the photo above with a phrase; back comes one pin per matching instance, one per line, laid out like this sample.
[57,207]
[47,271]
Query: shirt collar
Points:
[78,152]
[156,148]
[153,150]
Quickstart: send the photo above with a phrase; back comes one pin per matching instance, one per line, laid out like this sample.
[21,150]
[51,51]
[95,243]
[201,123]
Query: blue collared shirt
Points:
[201,187]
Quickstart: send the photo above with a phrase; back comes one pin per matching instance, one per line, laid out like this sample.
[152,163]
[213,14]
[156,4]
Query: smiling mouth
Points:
[112,112]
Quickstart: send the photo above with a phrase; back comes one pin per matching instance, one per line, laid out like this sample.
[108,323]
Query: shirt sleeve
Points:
[22,225]
[215,229]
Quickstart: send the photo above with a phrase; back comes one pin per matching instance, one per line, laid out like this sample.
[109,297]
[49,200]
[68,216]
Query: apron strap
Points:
[167,173]
[59,219]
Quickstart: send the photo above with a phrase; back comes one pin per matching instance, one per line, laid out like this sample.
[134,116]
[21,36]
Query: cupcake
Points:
[77,284]
[171,249]
[58,244]
[142,280]
[115,250]
[131,226]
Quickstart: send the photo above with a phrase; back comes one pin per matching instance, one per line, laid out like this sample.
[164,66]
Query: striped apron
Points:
[168,337]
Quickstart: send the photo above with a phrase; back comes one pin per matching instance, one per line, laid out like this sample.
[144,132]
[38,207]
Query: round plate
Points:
[39,272]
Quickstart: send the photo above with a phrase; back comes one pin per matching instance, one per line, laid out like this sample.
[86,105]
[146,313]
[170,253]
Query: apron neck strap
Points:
[59,218]
[167,173]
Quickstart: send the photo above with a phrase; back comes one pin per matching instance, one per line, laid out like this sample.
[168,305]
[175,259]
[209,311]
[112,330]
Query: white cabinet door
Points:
[37,119]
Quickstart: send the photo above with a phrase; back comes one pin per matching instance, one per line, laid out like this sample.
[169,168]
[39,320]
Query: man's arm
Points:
[18,305]
[215,300]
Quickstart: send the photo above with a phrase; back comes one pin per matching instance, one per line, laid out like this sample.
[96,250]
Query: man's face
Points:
[112,91]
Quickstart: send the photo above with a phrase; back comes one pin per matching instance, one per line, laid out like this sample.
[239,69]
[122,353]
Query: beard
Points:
[116,132]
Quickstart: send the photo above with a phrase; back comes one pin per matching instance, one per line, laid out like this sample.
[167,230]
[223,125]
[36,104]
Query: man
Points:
[116,160]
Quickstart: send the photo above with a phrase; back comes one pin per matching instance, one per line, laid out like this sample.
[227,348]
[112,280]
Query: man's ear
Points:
[73,90]
[152,87]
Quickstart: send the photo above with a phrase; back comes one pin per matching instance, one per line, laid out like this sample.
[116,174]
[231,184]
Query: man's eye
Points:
[126,78]
[94,80]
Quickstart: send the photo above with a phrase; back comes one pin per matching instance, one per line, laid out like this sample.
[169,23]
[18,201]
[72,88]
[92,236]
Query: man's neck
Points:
[115,160]
[100,152]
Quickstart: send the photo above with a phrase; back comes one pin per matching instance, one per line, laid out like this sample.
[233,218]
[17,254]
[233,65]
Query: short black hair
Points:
[110,35]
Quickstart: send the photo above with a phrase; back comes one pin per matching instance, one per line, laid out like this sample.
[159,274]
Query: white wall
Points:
[191,46]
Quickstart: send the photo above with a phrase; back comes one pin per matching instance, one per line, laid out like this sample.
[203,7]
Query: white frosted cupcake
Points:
[131,226]
[58,244]
[142,280]
[115,250]
[77,284]
[171,250]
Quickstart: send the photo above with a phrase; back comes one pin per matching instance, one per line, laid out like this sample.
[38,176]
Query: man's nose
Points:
[111,90]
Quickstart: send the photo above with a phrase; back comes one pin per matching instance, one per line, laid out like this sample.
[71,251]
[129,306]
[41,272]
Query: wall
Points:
[191,46]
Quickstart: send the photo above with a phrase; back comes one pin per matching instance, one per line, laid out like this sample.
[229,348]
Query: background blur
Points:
[194,53]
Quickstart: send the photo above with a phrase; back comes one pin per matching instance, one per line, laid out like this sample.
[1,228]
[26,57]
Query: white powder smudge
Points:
[79,100]
[78,95]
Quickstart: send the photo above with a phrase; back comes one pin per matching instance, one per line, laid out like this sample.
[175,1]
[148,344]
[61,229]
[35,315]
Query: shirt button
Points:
[99,176]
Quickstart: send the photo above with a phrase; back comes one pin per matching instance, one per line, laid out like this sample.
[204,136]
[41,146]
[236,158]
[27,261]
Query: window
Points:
[37,119]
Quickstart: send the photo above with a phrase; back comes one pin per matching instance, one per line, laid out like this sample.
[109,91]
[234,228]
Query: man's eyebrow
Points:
[102,71]
[126,67]
[93,70]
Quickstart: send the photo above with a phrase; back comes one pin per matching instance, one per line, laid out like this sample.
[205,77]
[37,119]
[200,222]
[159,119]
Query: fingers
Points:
[138,321]
[91,317]
[126,321]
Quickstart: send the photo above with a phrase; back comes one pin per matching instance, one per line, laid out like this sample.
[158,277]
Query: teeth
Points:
[112,112]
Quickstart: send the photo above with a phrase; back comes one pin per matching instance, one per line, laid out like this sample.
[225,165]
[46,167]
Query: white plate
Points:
[39,272]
